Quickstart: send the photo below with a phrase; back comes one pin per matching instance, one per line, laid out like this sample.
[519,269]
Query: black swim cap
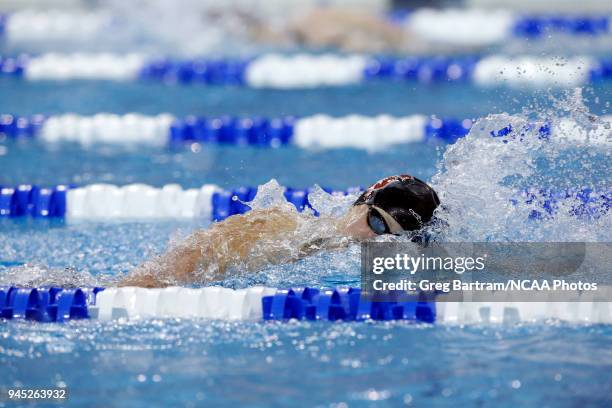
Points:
[410,201]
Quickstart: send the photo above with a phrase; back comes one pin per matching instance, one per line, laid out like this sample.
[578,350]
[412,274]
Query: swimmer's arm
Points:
[177,265]
[143,280]
[225,243]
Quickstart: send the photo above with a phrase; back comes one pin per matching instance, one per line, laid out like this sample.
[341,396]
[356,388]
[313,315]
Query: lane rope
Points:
[299,71]
[453,26]
[52,304]
[370,133]
[141,201]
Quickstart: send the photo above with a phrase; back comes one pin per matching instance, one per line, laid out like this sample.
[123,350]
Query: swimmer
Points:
[350,29]
[277,235]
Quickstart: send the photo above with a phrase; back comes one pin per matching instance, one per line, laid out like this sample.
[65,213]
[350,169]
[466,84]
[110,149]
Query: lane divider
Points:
[318,131]
[135,201]
[540,26]
[256,303]
[300,71]
[52,304]
[311,132]
[453,26]
[141,201]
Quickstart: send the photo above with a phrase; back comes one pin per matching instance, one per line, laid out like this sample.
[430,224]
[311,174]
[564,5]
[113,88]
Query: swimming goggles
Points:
[381,222]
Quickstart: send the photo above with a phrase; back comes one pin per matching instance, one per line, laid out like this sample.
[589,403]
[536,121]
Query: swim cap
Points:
[410,201]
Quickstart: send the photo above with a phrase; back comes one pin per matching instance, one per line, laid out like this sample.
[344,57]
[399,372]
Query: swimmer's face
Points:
[355,223]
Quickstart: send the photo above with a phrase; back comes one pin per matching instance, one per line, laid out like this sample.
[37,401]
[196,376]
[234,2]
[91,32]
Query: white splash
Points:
[270,194]
[32,276]
[332,205]
[481,176]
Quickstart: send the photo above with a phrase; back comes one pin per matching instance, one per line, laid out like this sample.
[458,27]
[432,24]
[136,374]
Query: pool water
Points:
[203,363]
[228,167]
[460,100]
[193,363]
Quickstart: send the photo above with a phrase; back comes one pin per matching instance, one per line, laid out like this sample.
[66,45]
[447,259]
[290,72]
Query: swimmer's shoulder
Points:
[254,222]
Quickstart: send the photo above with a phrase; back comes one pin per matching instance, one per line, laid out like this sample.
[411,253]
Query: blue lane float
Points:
[34,201]
[345,304]
[229,130]
[591,204]
[538,26]
[209,72]
[48,304]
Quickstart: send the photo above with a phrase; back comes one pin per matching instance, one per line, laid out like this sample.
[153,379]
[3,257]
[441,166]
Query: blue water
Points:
[200,363]
[204,363]
[461,100]
[225,166]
